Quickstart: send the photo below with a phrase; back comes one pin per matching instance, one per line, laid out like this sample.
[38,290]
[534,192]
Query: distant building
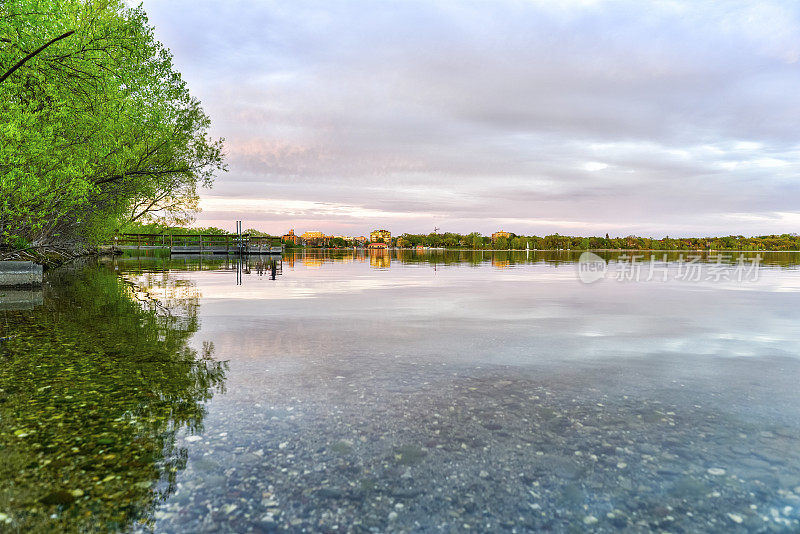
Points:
[378,246]
[498,235]
[313,238]
[312,235]
[360,240]
[400,242]
[381,236]
[291,238]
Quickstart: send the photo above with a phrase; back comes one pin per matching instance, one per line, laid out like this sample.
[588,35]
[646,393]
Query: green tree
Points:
[433,240]
[96,127]
[450,240]
[517,243]
[476,240]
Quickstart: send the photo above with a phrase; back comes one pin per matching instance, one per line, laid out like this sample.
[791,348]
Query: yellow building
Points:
[498,235]
[313,239]
[400,243]
[378,236]
[312,235]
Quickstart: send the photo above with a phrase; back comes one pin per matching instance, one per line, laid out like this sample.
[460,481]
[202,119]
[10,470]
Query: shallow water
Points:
[405,392]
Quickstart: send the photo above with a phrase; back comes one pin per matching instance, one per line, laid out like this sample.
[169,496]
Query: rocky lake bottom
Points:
[500,449]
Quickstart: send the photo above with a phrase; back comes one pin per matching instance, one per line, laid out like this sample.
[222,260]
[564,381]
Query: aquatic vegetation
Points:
[94,386]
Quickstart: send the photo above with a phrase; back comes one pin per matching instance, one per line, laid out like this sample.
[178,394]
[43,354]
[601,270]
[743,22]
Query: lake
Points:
[405,391]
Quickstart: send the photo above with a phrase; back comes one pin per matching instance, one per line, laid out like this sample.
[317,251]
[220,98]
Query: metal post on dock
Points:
[239,244]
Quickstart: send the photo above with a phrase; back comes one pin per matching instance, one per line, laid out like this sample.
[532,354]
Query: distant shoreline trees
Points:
[560,242]
[476,241]
[97,129]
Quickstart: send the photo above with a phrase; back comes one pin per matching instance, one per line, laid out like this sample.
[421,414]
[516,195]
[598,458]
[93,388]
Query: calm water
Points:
[441,392]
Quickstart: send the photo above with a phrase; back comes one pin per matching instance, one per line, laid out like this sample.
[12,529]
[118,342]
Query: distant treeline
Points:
[556,242]
[477,241]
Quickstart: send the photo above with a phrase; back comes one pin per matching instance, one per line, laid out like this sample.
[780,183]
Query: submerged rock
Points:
[59,497]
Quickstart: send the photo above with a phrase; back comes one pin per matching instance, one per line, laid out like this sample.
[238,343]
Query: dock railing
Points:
[200,243]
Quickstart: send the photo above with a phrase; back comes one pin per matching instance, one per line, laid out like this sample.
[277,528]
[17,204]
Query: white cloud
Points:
[299,208]
[595,166]
[473,113]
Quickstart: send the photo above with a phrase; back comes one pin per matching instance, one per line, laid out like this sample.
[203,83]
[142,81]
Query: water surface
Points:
[404,392]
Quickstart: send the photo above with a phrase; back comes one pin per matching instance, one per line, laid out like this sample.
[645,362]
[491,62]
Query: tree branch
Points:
[33,54]
[117,177]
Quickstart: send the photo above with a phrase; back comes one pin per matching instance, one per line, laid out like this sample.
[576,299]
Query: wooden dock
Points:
[238,244]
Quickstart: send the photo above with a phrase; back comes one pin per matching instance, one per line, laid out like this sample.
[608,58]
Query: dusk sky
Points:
[577,117]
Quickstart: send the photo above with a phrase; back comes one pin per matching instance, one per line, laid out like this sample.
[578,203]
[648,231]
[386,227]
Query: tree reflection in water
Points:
[94,386]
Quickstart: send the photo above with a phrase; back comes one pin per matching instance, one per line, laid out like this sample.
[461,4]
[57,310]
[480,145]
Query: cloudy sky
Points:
[581,117]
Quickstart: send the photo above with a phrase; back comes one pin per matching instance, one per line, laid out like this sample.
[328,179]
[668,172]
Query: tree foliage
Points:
[631,242]
[96,127]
